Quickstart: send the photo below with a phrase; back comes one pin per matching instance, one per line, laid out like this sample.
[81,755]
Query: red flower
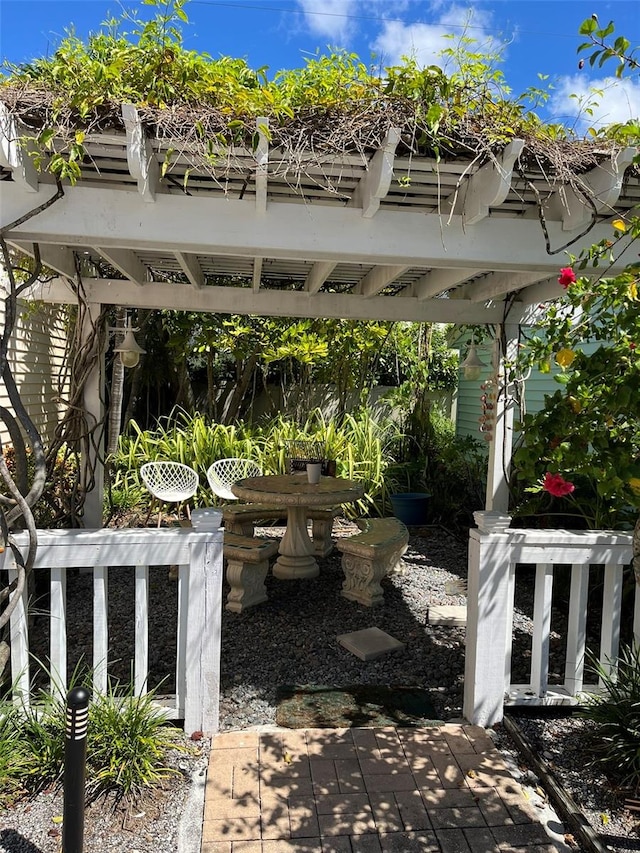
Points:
[557,485]
[566,277]
[632,345]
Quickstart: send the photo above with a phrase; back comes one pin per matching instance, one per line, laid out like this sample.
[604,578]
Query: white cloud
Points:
[424,42]
[329,18]
[615,100]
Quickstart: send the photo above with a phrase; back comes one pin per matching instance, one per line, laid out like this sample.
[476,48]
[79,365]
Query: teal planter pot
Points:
[411,507]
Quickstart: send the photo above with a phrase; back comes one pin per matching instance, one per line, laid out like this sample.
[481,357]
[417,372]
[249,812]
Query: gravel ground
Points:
[290,639]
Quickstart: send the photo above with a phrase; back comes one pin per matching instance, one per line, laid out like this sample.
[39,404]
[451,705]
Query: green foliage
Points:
[589,429]
[14,757]
[143,61]
[361,446]
[616,710]
[128,744]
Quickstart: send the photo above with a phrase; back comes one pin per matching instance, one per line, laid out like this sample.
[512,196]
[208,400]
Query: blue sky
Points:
[533,37]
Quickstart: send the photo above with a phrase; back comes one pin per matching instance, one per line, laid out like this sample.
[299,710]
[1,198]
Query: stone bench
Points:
[370,555]
[242,518]
[247,566]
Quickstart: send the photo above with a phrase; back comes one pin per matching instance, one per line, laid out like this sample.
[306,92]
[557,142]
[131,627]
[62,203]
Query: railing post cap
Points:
[78,697]
[490,521]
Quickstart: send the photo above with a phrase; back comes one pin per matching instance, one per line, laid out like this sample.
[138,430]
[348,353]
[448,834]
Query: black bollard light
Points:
[75,756]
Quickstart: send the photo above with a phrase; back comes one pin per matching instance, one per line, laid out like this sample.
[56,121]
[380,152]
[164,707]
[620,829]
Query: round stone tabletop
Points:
[295,490]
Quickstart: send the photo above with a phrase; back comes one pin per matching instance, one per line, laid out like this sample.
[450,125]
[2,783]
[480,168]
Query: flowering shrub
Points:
[557,485]
[566,277]
[591,425]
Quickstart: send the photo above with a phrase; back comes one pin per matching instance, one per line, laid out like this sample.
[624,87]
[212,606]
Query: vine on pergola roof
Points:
[199,109]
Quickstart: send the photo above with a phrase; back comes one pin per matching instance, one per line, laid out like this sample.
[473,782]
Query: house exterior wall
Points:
[537,386]
[36,358]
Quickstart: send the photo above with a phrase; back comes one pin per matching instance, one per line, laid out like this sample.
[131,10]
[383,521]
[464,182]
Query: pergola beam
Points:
[487,188]
[14,155]
[375,184]
[87,217]
[244,300]
[141,159]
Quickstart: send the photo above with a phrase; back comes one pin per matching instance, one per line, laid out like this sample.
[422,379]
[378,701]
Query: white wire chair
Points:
[223,473]
[170,482]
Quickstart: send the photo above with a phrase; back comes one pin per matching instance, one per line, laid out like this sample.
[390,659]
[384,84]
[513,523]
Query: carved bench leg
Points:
[362,579]
[321,530]
[247,584]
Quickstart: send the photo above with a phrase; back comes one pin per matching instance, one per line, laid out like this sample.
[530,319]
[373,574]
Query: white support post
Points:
[488,627]
[500,449]
[204,635]
[94,408]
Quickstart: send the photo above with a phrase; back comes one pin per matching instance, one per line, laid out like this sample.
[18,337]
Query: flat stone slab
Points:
[370,643]
[448,614]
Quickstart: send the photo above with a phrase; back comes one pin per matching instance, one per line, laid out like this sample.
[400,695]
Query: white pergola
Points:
[384,236]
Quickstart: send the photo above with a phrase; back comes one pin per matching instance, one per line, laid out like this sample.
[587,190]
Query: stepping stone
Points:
[370,643]
[447,614]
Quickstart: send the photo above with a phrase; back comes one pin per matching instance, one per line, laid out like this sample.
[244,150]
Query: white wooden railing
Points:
[495,551]
[199,558]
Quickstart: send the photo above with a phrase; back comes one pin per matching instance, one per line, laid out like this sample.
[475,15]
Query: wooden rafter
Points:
[375,183]
[13,154]
[499,283]
[602,184]
[257,273]
[441,280]
[262,163]
[191,268]
[141,159]
[379,278]
[58,258]
[126,262]
[487,187]
[318,274]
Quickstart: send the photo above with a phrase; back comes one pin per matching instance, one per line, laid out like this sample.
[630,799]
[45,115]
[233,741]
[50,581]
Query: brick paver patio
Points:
[444,789]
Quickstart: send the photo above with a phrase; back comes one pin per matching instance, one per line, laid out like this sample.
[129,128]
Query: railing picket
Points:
[541,629]
[576,629]
[19,633]
[636,613]
[141,657]
[58,630]
[181,639]
[611,605]
[511,591]
[100,628]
